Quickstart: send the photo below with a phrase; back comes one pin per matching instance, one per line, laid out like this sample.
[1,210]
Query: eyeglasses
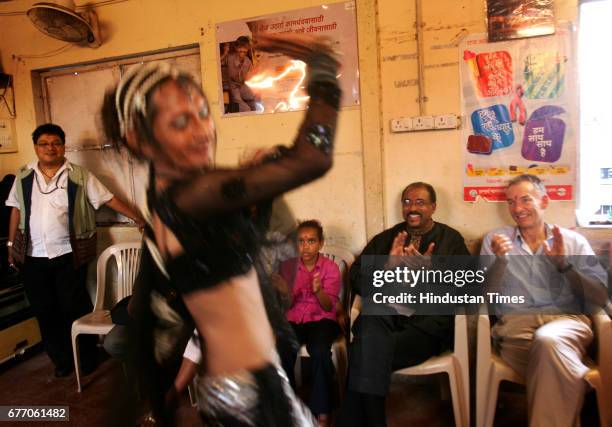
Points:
[419,203]
[45,145]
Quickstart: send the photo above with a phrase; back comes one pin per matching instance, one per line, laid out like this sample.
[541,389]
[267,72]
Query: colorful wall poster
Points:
[519,101]
[258,82]
[515,19]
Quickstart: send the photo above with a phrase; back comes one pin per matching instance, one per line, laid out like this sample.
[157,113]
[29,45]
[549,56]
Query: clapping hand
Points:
[316,282]
[399,249]
[501,245]
[556,252]
[279,283]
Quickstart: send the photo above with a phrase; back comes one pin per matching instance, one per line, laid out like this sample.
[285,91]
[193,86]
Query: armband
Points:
[321,137]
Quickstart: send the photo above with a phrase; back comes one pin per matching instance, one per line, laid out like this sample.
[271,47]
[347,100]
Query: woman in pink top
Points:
[311,286]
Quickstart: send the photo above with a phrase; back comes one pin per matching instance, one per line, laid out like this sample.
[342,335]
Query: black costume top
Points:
[207,213]
[209,216]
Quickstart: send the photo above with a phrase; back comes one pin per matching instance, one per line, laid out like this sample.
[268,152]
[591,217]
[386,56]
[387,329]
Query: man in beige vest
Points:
[52,236]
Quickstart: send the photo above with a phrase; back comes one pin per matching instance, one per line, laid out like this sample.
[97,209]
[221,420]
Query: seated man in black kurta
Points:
[383,344]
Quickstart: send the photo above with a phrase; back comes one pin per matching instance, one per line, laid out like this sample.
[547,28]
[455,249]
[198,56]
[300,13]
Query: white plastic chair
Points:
[343,258]
[454,363]
[98,322]
[492,369]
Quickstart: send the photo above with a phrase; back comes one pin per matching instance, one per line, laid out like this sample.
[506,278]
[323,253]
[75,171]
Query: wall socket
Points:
[423,123]
[420,123]
[446,121]
[401,124]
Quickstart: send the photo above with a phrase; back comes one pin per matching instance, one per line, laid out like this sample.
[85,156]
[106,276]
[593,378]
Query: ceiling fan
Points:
[59,19]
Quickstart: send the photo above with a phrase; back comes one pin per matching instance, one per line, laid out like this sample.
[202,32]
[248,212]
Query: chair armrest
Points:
[602,325]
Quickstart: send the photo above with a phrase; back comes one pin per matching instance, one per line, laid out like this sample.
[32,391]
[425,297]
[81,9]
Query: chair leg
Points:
[603,406]
[339,358]
[77,359]
[193,398]
[491,404]
[457,398]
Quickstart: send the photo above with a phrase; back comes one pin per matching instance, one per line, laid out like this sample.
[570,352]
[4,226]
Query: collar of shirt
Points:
[34,165]
[317,266]
[520,242]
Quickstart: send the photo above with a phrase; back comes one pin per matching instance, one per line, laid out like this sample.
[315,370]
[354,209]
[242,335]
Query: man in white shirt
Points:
[554,272]
[53,205]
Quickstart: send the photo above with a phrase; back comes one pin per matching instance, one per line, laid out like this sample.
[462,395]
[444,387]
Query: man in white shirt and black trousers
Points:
[52,236]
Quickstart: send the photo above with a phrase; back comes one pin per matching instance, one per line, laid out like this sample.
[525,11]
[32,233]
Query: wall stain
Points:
[405,83]
[450,27]
[442,65]
[402,57]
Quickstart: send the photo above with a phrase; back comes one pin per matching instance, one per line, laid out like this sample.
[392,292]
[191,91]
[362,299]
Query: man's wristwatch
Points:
[567,267]
[9,244]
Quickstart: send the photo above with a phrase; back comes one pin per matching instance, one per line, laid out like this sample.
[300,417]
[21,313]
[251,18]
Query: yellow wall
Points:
[436,156]
[145,25]
[361,194]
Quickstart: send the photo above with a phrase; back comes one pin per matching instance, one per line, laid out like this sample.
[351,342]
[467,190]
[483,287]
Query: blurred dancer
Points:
[202,241]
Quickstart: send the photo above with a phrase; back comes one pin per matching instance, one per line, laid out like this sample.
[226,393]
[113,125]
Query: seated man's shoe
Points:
[63,371]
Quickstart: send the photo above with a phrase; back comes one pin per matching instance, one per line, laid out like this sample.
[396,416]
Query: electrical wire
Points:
[86,6]
[53,52]
[101,3]
[12,13]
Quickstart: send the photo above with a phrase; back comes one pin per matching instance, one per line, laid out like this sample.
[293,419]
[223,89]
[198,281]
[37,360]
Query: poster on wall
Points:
[515,19]
[519,102]
[258,82]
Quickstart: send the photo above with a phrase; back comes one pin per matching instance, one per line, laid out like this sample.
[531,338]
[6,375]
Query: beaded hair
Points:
[132,91]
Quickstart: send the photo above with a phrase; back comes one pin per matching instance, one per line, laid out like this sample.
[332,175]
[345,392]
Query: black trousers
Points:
[58,295]
[381,345]
[318,338]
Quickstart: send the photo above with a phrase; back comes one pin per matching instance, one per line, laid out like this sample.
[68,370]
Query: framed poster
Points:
[515,19]
[519,101]
[251,81]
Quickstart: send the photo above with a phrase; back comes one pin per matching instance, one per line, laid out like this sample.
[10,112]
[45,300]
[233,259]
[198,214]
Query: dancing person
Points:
[202,239]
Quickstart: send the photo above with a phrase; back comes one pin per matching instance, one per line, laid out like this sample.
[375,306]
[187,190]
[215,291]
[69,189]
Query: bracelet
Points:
[9,244]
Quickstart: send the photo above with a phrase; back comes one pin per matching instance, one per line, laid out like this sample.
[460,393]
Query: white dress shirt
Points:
[193,351]
[533,276]
[49,233]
